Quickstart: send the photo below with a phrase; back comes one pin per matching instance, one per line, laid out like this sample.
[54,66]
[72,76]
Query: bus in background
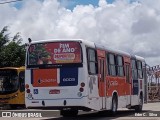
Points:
[138,68]
[12,86]
[72,75]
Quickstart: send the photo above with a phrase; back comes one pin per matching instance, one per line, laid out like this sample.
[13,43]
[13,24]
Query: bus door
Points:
[128,83]
[101,78]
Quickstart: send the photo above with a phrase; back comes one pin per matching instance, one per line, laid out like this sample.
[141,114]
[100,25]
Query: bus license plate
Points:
[54,91]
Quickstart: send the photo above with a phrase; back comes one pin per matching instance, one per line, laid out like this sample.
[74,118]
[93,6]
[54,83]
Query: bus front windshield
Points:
[54,53]
[8,81]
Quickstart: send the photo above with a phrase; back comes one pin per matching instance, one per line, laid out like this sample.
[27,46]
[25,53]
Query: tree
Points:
[12,51]
[4,38]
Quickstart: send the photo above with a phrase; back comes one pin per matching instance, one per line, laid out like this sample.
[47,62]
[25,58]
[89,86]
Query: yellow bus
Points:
[12,86]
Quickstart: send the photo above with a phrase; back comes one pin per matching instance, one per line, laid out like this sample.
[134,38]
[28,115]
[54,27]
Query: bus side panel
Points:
[93,93]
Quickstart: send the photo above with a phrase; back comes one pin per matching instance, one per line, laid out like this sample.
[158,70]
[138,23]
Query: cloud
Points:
[131,27]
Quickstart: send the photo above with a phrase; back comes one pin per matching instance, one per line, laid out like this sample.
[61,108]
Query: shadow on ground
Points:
[98,115]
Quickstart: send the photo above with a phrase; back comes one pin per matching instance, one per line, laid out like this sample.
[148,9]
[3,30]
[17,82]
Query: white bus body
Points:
[75,75]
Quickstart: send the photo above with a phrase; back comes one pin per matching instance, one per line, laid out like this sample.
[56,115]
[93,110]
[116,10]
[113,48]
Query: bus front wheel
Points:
[13,106]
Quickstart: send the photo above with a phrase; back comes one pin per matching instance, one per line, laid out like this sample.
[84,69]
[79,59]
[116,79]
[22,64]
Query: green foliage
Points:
[12,51]
[4,38]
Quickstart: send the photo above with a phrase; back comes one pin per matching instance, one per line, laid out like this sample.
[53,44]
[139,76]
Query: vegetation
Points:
[12,51]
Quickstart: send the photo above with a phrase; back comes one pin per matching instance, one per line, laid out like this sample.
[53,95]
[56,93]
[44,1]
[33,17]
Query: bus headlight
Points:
[79,94]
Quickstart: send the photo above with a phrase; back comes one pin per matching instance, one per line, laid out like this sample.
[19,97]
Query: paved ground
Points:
[150,109]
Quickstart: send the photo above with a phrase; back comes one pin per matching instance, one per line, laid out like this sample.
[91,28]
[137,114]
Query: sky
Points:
[128,25]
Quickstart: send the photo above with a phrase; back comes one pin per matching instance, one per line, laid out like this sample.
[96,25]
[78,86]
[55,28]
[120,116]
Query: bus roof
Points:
[91,44]
[88,43]
[109,49]
[139,58]
[55,40]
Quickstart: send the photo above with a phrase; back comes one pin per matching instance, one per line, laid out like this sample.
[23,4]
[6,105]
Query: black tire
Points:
[138,108]
[69,113]
[23,106]
[12,106]
[114,105]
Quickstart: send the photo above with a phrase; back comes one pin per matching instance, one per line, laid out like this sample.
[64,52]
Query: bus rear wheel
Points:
[114,105]
[69,113]
[138,108]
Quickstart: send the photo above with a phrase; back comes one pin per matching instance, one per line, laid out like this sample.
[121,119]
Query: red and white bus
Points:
[72,75]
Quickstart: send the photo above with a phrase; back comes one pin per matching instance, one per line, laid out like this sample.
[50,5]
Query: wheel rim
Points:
[141,102]
[114,105]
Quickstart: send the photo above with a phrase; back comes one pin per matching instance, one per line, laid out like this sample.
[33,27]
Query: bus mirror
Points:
[29,40]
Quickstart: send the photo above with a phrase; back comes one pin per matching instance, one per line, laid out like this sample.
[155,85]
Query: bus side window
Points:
[92,61]
[134,70]
[139,66]
[120,66]
[21,81]
[111,64]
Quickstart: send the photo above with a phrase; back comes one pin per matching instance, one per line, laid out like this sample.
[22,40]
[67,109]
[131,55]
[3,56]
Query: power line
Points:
[10,1]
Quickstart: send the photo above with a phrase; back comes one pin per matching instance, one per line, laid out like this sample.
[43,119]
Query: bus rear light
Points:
[79,94]
[26,86]
[82,84]
[30,95]
[28,91]
[15,95]
[3,101]
[81,89]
